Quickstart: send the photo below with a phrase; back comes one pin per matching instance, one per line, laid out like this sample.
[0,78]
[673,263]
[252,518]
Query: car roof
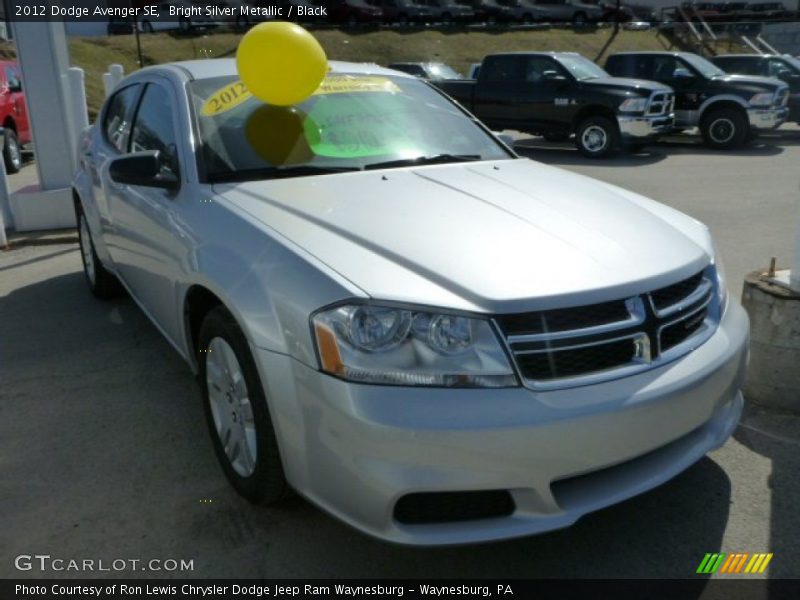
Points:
[653,52]
[536,53]
[221,67]
[748,56]
[420,64]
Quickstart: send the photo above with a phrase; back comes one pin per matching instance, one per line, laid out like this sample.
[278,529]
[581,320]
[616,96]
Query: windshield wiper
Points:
[276,173]
[424,160]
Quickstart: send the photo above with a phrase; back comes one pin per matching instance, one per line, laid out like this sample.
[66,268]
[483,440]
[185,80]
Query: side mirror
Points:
[15,87]
[144,169]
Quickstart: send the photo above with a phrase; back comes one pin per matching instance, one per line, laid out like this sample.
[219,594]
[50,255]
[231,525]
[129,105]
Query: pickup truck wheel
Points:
[597,137]
[236,411]
[102,283]
[12,153]
[724,129]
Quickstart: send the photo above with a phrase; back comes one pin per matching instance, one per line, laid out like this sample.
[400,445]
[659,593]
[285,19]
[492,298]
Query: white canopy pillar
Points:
[44,59]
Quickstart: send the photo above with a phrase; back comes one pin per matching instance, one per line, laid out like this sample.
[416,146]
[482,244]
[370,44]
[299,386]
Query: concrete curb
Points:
[41,238]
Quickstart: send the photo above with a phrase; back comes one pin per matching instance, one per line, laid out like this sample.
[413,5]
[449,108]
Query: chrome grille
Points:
[587,344]
[660,103]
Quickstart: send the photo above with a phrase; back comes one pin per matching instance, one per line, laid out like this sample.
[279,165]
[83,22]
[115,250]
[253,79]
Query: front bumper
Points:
[645,127]
[767,118]
[356,449]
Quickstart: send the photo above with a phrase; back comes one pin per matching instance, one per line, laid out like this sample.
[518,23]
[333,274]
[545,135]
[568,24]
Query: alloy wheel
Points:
[230,406]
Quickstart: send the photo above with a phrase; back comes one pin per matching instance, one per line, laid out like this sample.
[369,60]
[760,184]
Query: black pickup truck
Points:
[728,109]
[557,94]
[783,67]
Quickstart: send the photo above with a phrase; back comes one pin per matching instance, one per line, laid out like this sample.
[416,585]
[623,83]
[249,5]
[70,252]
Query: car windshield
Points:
[707,69]
[581,68]
[351,122]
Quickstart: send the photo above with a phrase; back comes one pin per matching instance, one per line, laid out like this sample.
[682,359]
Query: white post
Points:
[108,84]
[76,82]
[44,58]
[79,120]
[117,73]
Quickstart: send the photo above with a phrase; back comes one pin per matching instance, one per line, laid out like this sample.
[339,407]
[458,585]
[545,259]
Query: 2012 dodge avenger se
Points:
[391,313]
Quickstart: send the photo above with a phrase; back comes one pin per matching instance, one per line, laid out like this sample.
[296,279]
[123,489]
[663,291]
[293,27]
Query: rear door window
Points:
[504,69]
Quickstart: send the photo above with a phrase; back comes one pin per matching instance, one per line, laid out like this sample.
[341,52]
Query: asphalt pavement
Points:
[104,453]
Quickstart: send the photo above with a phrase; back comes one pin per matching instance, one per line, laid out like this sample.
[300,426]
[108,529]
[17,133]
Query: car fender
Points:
[82,193]
[271,292]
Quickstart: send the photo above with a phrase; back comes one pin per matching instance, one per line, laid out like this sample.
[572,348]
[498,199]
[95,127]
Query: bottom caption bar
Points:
[679,589]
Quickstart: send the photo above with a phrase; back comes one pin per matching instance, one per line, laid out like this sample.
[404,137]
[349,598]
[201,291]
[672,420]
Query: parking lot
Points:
[104,453]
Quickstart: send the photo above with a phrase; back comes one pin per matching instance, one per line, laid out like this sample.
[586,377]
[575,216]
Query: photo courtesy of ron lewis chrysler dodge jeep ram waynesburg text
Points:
[390,312]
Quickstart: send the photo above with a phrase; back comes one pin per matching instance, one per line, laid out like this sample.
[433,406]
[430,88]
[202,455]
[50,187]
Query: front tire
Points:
[597,137]
[236,411]
[102,283]
[12,153]
[724,129]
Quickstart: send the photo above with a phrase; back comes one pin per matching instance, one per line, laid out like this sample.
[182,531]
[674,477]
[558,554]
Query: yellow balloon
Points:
[281,63]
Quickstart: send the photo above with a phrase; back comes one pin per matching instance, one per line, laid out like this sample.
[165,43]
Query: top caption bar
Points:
[216,12]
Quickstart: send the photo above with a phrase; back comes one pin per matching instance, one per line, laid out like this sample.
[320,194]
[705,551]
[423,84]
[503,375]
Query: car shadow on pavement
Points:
[565,153]
[775,435]
[102,422]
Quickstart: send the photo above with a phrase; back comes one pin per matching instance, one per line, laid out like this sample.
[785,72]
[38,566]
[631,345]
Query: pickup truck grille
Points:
[588,344]
[661,103]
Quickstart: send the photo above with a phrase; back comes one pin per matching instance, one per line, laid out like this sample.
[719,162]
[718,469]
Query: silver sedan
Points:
[395,316]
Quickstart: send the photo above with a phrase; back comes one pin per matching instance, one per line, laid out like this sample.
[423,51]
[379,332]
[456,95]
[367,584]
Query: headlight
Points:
[633,105]
[762,99]
[372,343]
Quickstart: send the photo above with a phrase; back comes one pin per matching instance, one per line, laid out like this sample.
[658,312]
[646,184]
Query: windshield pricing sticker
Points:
[234,94]
[342,127]
[225,99]
[344,84]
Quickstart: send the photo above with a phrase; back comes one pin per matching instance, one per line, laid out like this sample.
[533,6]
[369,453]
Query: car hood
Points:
[627,84]
[500,236]
[750,80]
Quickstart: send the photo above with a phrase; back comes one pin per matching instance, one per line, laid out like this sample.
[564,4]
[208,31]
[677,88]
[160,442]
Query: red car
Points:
[13,115]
